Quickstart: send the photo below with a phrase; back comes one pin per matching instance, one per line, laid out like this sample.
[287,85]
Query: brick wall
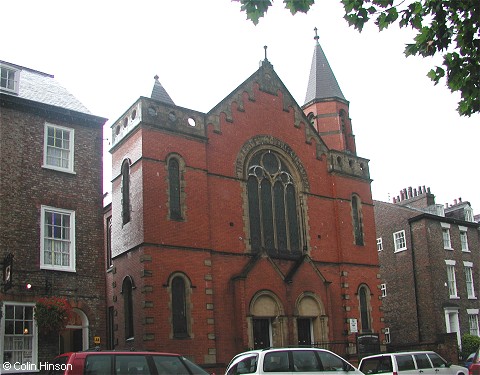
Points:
[211,244]
[25,186]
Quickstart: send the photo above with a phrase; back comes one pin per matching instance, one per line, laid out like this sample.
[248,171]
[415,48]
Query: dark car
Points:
[474,368]
[469,360]
[123,363]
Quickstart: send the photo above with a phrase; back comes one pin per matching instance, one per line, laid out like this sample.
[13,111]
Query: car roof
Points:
[399,353]
[276,349]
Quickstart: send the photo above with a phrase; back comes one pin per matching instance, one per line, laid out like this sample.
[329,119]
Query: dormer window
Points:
[9,79]
[468,214]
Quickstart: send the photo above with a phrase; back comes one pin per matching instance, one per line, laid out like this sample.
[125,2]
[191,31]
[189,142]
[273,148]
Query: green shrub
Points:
[470,344]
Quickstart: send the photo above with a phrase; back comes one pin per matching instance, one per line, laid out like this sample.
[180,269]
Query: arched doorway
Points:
[75,336]
[311,321]
[267,321]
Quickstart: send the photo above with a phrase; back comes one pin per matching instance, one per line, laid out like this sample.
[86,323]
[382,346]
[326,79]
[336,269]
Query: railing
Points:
[345,349]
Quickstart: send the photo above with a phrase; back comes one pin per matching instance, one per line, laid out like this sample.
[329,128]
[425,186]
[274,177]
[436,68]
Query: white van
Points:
[409,363]
[283,361]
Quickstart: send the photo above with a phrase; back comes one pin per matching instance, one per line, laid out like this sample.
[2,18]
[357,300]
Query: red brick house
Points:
[248,226]
[429,258]
[51,234]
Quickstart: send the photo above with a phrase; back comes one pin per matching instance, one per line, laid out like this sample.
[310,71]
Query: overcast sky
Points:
[106,53]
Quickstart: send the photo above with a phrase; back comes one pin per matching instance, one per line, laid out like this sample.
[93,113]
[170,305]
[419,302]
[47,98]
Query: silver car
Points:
[283,361]
[409,363]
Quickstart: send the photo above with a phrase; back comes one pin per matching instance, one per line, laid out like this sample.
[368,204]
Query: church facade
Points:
[249,226]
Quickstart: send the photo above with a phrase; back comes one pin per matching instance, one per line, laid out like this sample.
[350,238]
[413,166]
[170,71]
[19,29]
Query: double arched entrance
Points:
[268,325]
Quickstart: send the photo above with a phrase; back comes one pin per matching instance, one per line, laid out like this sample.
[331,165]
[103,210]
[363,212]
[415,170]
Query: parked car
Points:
[474,368]
[408,363]
[123,363]
[290,361]
[469,360]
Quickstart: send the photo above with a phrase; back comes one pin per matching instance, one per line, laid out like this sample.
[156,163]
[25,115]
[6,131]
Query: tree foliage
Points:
[448,27]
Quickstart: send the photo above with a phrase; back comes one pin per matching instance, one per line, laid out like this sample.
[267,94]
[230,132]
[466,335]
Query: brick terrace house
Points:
[430,265]
[248,226]
[51,232]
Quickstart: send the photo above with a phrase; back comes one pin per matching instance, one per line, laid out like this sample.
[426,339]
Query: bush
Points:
[52,314]
[470,344]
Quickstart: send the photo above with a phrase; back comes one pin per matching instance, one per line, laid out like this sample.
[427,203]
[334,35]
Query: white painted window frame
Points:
[70,149]
[379,244]
[399,241]
[447,239]
[72,251]
[451,279]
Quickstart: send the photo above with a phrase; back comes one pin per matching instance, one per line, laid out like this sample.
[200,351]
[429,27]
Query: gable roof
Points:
[267,81]
[288,277]
[43,88]
[322,83]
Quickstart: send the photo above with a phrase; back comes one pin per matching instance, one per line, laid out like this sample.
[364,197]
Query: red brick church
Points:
[248,226]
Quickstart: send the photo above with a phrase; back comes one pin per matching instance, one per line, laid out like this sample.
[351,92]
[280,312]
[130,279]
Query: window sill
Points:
[400,250]
[448,248]
[68,171]
[59,269]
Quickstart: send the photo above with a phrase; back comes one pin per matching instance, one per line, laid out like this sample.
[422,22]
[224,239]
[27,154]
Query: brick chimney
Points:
[418,198]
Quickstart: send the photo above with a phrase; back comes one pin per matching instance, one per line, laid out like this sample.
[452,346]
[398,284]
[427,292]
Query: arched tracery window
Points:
[272,205]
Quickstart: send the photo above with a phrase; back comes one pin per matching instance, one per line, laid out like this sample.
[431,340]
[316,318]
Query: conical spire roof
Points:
[159,93]
[322,83]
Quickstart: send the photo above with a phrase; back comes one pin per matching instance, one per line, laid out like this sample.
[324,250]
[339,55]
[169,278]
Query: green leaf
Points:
[298,5]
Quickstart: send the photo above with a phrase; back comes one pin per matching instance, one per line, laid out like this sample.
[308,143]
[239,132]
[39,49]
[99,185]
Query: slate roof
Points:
[322,83]
[160,94]
[43,88]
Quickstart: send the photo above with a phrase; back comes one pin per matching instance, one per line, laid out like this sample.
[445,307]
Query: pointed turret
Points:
[159,93]
[322,84]
[326,106]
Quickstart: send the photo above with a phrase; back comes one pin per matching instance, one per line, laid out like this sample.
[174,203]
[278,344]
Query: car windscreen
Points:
[246,365]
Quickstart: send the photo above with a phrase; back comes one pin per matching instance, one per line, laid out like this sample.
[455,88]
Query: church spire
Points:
[322,84]
[326,107]
[159,93]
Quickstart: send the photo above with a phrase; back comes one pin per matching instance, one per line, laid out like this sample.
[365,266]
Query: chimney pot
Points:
[454,201]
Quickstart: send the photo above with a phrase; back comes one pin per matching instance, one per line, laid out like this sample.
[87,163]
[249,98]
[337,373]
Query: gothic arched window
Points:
[272,205]
[357,220]
[180,312]
[127,291]
[364,301]
[125,192]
